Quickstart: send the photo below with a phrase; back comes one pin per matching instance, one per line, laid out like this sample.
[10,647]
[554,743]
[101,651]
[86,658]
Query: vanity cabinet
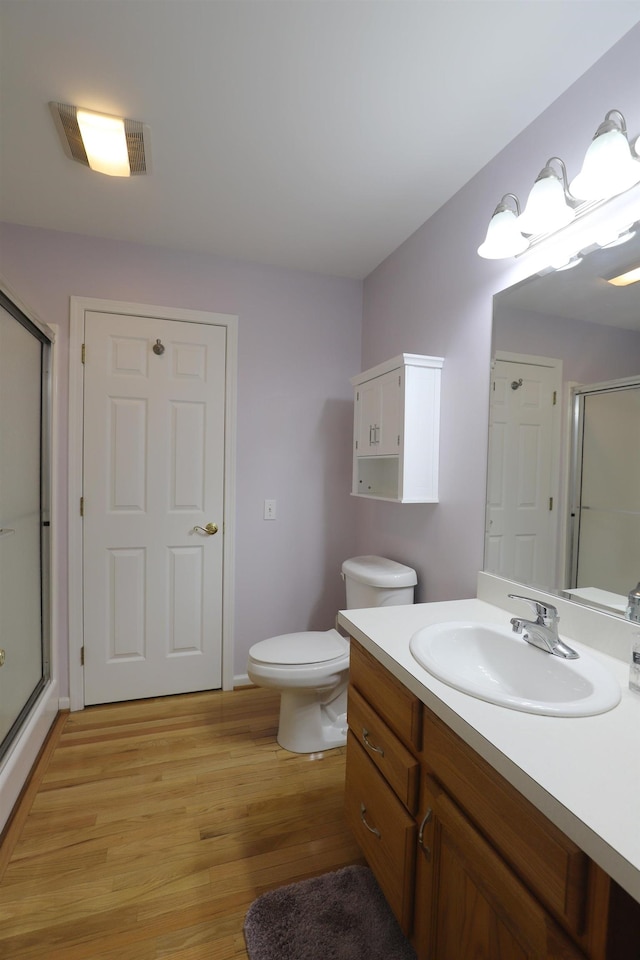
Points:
[396,430]
[468,865]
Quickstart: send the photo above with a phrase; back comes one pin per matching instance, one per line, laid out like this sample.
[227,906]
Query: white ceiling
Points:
[314,134]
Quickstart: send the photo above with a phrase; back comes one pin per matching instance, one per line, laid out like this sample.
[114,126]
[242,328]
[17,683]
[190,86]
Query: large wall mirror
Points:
[563,490]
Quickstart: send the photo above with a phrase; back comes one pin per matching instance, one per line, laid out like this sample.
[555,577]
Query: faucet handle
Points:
[542,609]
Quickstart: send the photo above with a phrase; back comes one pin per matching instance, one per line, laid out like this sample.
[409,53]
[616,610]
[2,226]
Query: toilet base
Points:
[309,726]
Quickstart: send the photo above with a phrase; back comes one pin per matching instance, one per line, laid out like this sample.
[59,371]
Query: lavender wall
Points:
[433,295]
[299,342]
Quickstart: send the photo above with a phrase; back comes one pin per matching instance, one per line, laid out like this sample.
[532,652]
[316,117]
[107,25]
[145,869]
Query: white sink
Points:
[492,663]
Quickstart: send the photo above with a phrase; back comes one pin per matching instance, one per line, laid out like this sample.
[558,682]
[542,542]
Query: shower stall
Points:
[25,401]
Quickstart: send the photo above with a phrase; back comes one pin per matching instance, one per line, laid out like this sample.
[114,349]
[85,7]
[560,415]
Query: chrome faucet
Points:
[543,632]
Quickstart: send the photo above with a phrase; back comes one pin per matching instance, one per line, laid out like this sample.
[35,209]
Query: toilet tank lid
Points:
[379,572]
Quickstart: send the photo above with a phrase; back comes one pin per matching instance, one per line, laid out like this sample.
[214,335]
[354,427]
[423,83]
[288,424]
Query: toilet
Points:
[311,669]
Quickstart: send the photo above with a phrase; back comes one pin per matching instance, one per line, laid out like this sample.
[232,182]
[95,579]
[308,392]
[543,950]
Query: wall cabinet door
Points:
[379,416]
[468,901]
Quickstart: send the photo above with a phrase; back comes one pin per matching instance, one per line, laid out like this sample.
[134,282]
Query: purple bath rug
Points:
[338,916]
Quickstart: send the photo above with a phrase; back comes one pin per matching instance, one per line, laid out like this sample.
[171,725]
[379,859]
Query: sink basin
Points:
[492,663]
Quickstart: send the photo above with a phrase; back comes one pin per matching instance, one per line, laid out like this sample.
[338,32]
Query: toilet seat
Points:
[296,649]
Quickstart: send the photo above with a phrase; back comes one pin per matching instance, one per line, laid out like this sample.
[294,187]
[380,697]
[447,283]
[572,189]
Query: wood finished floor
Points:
[155,824]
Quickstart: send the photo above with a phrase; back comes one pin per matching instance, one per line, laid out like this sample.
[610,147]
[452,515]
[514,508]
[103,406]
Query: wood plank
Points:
[153,826]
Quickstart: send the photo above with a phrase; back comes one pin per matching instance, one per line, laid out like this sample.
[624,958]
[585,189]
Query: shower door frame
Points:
[37,718]
[577,427]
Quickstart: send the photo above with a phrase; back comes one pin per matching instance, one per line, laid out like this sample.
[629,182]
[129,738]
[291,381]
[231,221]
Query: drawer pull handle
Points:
[425,821]
[371,746]
[372,830]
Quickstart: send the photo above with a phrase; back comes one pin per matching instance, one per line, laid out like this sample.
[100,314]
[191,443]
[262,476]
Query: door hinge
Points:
[83,353]
[82,656]
[550,503]
[356,444]
[82,506]
[555,397]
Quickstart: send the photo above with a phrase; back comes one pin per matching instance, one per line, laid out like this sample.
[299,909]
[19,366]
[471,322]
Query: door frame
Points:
[79,307]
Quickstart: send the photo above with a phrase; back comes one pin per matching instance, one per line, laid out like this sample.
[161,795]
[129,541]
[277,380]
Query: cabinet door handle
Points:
[371,746]
[425,821]
[372,830]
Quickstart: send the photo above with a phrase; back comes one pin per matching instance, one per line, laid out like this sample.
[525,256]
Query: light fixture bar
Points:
[134,153]
[611,169]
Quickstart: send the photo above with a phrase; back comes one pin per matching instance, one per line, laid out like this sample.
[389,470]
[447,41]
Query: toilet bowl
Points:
[311,669]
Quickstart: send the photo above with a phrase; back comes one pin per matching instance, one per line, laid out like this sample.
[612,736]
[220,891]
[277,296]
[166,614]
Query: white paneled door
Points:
[154,419]
[522,508]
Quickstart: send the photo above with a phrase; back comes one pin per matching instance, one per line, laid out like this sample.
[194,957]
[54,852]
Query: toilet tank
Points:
[377,582]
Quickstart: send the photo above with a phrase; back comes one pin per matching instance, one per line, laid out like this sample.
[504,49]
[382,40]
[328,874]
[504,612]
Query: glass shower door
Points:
[23,563]
[606,548]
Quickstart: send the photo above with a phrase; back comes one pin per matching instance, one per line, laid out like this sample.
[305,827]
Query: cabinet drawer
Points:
[398,707]
[384,831]
[398,766]
[554,868]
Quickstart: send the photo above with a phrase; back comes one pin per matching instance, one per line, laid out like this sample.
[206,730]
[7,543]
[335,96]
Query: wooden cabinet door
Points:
[468,901]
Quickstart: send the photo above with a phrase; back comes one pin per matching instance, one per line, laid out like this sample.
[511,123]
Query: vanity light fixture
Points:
[504,238]
[611,167]
[550,205]
[112,145]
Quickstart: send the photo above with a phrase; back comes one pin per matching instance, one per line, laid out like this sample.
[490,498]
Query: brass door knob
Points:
[210,529]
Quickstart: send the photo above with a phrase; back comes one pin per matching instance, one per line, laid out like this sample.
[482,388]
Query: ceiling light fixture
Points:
[112,145]
[624,279]
[611,167]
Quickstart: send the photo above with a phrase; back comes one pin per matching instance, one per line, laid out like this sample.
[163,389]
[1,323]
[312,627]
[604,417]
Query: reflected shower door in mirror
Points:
[606,508]
[586,329]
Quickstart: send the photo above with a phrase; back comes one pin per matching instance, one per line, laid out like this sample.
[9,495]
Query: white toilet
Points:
[311,669]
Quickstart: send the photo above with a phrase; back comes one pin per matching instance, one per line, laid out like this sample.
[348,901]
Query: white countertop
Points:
[583,773]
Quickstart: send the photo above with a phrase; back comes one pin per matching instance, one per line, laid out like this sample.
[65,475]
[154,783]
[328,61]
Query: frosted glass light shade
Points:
[609,168]
[105,143]
[547,209]
[504,238]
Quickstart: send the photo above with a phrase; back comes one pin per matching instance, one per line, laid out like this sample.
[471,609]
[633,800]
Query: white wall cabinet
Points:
[397,430]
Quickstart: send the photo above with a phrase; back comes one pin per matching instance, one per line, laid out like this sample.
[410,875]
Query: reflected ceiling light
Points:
[610,165]
[624,279]
[112,145]
[504,238]
[550,205]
